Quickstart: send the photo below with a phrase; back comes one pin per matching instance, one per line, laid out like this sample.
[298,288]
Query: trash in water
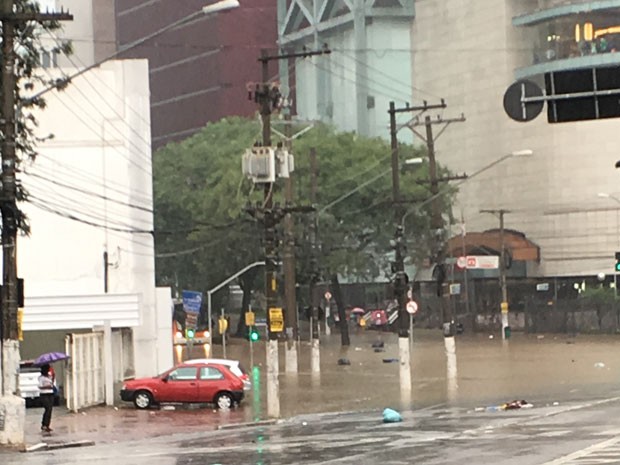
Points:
[378,344]
[168,407]
[540,336]
[491,336]
[599,365]
[391,416]
[304,423]
[357,349]
[344,361]
[379,350]
[390,360]
[514,405]
[556,403]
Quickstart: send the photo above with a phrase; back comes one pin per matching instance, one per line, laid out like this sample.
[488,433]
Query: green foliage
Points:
[199,187]
[599,295]
[29,48]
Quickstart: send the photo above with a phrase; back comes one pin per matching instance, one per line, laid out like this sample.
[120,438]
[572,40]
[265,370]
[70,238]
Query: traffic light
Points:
[253,334]
[190,333]
[617,262]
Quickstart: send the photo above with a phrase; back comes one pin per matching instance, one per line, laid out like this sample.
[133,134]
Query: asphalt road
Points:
[582,433]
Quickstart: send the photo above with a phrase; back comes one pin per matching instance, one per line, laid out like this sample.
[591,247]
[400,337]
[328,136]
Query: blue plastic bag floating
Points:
[391,416]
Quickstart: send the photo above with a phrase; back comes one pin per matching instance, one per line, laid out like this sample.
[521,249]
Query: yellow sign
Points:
[20,320]
[223,325]
[276,320]
[504,307]
[250,319]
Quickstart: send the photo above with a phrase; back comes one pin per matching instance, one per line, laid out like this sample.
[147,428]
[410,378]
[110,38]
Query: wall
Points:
[91,190]
[467,51]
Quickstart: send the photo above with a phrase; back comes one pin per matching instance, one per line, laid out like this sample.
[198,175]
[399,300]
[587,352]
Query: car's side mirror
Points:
[165,379]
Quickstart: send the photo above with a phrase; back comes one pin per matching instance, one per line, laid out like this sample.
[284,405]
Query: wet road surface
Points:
[542,370]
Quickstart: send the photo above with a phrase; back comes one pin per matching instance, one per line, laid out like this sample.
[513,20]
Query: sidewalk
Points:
[105,425]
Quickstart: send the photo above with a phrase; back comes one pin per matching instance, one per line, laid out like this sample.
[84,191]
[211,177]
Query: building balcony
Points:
[571,36]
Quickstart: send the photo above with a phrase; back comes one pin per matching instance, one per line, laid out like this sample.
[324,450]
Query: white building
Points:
[90,196]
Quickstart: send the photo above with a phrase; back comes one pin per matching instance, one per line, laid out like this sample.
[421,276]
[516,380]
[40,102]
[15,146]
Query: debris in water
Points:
[344,361]
[599,365]
[390,360]
[378,344]
[391,416]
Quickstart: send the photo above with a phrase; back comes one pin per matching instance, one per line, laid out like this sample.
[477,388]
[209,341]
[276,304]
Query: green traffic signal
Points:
[189,334]
[618,267]
[253,335]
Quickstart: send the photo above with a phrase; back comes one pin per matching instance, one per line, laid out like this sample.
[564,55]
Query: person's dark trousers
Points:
[47,401]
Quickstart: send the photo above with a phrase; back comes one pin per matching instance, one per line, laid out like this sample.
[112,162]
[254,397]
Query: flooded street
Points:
[490,371]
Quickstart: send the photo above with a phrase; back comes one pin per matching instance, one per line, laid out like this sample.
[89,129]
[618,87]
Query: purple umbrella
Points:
[50,357]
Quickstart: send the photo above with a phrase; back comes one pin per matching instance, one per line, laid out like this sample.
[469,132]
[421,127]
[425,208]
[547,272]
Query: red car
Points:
[189,382]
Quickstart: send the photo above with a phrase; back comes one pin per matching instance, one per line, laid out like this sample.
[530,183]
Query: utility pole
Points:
[438,234]
[12,432]
[315,356]
[267,97]
[502,269]
[400,279]
[290,297]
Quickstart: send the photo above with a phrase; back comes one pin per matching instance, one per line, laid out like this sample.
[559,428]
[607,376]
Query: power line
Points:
[92,194]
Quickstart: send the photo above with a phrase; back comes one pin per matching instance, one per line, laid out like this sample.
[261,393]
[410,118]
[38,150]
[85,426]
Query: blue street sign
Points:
[192,301]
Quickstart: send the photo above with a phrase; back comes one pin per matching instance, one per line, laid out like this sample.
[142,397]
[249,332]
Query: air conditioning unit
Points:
[259,164]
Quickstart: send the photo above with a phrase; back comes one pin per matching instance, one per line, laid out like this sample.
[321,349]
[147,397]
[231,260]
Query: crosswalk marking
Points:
[603,452]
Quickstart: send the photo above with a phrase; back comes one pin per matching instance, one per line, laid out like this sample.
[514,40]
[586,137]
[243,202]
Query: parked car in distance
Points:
[233,365]
[29,383]
[186,383]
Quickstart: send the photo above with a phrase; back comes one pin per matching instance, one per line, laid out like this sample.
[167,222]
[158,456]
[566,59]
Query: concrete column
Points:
[291,357]
[108,363]
[451,368]
[404,358]
[315,357]
[273,384]
[12,407]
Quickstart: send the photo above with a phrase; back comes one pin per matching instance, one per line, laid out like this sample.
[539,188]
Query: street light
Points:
[515,154]
[604,195]
[408,162]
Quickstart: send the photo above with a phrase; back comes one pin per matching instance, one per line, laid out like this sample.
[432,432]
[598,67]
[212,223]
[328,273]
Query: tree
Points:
[204,235]
[29,50]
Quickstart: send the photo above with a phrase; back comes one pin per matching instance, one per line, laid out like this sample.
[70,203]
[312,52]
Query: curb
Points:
[59,445]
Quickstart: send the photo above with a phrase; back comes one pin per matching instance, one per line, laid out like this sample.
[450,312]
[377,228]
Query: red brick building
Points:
[199,71]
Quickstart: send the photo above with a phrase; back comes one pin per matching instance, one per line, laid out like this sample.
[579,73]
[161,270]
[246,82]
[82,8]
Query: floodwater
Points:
[539,369]
[489,372]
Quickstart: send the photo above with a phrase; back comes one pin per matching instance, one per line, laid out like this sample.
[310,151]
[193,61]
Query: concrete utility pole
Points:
[265,97]
[502,268]
[290,281]
[315,356]
[438,233]
[12,408]
[401,279]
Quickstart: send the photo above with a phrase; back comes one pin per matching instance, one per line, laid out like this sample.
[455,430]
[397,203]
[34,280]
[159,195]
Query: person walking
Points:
[46,391]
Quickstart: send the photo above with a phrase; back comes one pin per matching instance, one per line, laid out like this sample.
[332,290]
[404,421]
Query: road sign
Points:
[276,320]
[514,105]
[192,301]
[328,296]
[250,318]
[461,262]
[455,289]
[191,320]
[504,307]
[482,262]
[412,307]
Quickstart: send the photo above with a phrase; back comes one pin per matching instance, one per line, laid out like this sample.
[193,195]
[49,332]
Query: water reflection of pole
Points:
[256,393]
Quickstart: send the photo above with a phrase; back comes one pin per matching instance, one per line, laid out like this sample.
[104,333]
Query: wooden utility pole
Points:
[10,330]
[315,356]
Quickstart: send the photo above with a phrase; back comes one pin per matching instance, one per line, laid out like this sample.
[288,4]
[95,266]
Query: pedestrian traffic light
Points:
[253,334]
[189,333]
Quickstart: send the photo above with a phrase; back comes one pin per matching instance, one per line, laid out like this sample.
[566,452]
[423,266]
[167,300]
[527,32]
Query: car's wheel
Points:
[224,401]
[143,400]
